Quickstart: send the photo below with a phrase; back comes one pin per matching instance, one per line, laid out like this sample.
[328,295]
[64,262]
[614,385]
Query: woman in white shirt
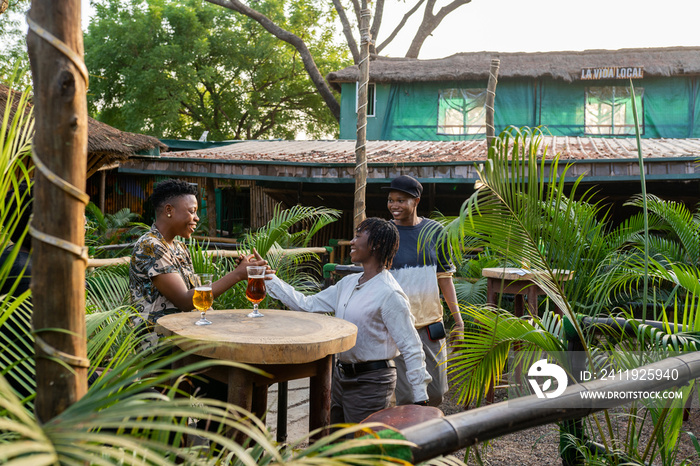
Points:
[365,375]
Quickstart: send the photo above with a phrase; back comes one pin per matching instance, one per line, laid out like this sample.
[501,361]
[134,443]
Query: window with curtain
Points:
[609,110]
[462,111]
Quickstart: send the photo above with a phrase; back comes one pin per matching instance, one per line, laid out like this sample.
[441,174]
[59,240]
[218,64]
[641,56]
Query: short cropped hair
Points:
[166,190]
[382,235]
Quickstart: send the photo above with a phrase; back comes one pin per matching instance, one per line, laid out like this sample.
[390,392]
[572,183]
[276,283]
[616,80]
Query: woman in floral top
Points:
[161,275]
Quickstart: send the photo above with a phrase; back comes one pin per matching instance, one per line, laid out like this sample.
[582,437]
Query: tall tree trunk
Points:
[60,146]
[361,142]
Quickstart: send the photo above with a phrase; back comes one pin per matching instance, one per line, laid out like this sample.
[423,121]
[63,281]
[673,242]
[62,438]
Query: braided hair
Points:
[382,235]
[168,189]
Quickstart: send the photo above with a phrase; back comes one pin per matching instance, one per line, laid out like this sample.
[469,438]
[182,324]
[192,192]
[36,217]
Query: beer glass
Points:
[203,297]
[256,287]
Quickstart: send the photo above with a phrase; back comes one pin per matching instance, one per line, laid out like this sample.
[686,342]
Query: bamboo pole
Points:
[214,253]
[451,433]
[55,45]
[360,145]
[490,100]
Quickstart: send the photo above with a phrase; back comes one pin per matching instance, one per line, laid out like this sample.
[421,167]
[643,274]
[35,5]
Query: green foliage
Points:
[522,217]
[15,147]
[13,53]
[111,229]
[178,68]
[290,228]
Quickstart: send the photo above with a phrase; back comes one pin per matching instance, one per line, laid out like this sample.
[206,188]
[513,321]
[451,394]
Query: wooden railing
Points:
[217,253]
[442,436]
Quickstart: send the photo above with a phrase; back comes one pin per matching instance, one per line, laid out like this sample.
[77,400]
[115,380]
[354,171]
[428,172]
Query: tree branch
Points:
[347,31]
[376,24]
[430,23]
[309,64]
[398,28]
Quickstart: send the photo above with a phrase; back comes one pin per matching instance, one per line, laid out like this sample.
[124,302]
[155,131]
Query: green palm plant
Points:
[104,229]
[133,412]
[521,215]
[298,269]
[16,128]
[674,238]
[276,233]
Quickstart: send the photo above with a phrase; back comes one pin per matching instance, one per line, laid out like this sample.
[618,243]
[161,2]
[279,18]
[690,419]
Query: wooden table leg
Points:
[259,402]
[240,388]
[532,299]
[320,397]
[490,291]
[518,305]
[491,299]
[240,393]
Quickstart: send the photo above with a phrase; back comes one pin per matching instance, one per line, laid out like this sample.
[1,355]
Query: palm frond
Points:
[479,358]
[521,215]
[277,229]
[678,219]
[471,293]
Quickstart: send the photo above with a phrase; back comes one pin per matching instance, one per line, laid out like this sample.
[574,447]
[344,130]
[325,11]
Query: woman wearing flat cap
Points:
[422,273]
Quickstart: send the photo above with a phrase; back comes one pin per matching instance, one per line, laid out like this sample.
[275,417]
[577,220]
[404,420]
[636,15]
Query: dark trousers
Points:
[435,362]
[354,398]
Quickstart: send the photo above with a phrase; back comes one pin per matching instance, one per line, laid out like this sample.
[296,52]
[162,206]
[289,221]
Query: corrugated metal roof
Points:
[431,152]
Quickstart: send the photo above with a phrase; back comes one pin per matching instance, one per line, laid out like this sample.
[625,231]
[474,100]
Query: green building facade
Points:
[586,94]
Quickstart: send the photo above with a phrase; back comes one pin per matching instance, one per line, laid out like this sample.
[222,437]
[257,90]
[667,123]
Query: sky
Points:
[559,25]
[546,25]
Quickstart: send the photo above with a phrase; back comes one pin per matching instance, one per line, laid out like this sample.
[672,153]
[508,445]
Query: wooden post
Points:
[211,207]
[490,99]
[55,44]
[360,145]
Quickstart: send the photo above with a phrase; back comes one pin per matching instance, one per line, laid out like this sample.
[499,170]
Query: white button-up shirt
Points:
[381,312]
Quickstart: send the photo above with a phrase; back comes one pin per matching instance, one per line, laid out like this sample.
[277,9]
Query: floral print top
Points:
[152,256]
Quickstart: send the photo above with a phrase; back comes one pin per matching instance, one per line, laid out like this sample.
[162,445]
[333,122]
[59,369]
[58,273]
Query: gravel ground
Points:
[539,446]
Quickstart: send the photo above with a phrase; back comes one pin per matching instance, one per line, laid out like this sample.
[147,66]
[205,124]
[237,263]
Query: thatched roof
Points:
[106,145]
[670,61]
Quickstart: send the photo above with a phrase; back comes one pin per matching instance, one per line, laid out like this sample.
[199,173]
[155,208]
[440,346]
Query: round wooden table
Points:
[286,344]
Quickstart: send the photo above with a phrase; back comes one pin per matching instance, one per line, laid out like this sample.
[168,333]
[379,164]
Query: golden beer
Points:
[203,298]
[256,290]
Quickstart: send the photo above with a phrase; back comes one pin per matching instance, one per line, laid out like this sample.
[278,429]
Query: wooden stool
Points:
[400,417]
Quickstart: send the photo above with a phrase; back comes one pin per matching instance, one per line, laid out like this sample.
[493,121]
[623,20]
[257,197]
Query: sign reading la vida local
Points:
[613,72]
